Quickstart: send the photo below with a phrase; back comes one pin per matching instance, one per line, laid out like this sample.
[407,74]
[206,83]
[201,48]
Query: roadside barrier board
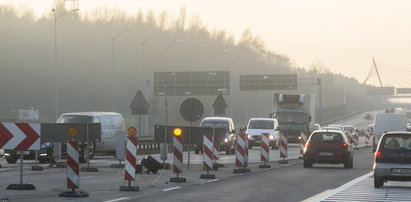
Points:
[283,147]
[265,150]
[208,156]
[20,136]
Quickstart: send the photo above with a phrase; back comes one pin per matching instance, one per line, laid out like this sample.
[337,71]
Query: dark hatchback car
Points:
[392,161]
[329,147]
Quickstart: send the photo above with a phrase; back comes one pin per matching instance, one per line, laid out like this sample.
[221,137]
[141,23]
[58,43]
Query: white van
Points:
[113,129]
[257,126]
[387,122]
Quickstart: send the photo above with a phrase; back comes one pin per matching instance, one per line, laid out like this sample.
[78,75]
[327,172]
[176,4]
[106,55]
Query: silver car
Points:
[392,161]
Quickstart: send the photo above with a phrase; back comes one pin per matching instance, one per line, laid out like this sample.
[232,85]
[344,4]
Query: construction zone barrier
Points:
[208,156]
[367,137]
[130,161]
[283,147]
[178,156]
[240,160]
[303,140]
[73,171]
[355,137]
[265,150]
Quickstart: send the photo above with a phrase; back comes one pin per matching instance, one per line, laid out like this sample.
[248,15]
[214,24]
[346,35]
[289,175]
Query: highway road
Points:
[282,182]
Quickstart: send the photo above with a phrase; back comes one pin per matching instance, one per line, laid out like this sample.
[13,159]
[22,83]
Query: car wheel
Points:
[227,151]
[44,160]
[196,151]
[233,151]
[378,182]
[308,164]
[11,160]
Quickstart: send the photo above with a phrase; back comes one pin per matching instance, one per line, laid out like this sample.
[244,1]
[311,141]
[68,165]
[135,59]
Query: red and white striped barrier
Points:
[178,154]
[73,178]
[246,151]
[283,147]
[349,135]
[207,152]
[367,137]
[240,150]
[20,136]
[303,140]
[131,159]
[208,156]
[265,148]
[355,137]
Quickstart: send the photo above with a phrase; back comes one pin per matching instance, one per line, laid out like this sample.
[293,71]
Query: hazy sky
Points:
[342,35]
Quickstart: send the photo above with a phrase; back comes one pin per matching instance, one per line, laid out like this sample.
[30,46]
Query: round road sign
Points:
[191,109]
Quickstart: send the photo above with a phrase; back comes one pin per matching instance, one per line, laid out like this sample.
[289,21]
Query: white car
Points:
[257,126]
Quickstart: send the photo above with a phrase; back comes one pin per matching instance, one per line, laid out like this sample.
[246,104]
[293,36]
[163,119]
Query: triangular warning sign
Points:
[139,105]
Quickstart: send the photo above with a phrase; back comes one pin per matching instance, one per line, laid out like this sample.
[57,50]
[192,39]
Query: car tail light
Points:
[344,145]
[379,156]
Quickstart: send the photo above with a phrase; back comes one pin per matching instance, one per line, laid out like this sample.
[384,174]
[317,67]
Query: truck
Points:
[295,113]
[387,122]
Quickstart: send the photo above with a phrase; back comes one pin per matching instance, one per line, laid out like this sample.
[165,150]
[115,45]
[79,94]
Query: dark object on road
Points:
[331,147]
[151,164]
[392,161]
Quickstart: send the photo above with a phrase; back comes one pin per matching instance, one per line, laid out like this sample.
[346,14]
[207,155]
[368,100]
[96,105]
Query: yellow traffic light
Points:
[72,131]
[177,131]
[131,131]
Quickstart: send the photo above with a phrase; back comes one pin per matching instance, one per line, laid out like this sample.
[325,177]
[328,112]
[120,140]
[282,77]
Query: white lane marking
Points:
[215,180]
[172,188]
[339,189]
[119,199]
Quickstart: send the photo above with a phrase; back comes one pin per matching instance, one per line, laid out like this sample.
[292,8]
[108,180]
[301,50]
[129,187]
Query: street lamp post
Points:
[56,69]
[191,91]
[113,102]
[142,49]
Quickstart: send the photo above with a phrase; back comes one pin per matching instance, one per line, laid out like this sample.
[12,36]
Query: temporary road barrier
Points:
[283,147]
[367,138]
[355,138]
[240,154]
[130,160]
[303,140]
[73,171]
[208,156]
[265,150]
[21,137]
[216,157]
[178,155]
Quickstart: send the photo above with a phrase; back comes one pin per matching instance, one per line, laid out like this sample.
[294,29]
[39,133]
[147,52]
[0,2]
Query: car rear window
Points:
[396,142]
[215,124]
[261,124]
[327,137]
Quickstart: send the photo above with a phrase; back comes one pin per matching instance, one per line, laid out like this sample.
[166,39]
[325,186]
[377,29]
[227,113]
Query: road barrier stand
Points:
[35,167]
[130,160]
[178,156]
[240,154]
[208,156]
[303,140]
[367,138]
[283,147]
[265,150]
[73,171]
[20,137]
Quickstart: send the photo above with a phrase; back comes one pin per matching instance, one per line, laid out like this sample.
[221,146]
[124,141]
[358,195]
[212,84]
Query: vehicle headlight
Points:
[225,140]
[6,154]
[271,137]
[249,136]
[45,154]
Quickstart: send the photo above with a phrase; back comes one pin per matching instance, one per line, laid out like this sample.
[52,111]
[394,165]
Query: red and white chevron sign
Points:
[20,136]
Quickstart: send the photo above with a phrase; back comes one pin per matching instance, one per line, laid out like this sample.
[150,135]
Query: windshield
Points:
[327,137]
[75,119]
[215,124]
[397,142]
[261,124]
[290,117]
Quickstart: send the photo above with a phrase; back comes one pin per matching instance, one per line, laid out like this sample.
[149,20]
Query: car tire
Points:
[308,164]
[11,160]
[196,151]
[233,151]
[44,160]
[378,182]
[227,151]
